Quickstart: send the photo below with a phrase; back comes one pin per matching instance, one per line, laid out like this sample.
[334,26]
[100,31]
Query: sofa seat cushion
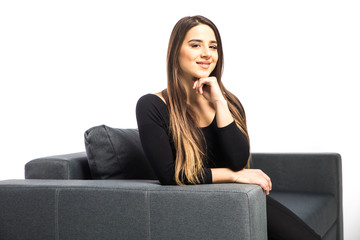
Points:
[317,210]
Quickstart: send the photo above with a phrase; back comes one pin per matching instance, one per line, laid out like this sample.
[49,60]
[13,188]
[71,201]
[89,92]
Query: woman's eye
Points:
[213,47]
[195,45]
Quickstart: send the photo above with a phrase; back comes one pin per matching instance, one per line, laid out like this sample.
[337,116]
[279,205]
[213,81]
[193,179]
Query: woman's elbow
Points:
[239,162]
[166,180]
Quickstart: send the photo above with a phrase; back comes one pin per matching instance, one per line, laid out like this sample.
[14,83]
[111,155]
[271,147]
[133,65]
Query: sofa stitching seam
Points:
[248,200]
[148,214]
[68,170]
[248,203]
[112,144]
[57,192]
[139,190]
[69,187]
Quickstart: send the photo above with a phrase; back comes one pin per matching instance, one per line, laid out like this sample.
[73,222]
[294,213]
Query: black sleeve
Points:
[152,119]
[234,146]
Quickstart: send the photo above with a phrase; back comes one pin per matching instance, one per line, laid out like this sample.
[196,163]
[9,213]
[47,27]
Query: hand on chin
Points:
[197,77]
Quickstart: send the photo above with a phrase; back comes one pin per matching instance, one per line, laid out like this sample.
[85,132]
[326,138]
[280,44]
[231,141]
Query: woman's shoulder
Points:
[152,99]
[153,107]
[159,94]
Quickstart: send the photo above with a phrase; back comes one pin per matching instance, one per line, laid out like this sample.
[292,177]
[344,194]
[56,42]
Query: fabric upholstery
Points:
[301,172]
[67,166]
[116,154]
[317,210]
[26,213]
[332,233]
[108,214]
[131,209]
[308,184]
[180,214]
[318,173]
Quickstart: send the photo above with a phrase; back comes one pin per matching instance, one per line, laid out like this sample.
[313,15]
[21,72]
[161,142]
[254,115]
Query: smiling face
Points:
[198,54]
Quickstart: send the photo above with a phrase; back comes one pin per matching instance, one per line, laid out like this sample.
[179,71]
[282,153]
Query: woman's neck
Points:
[203,108]
[194,99]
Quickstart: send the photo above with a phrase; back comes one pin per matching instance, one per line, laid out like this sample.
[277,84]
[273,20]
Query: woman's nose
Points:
[205,53]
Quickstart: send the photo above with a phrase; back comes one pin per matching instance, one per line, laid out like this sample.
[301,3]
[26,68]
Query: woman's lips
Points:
[204,65]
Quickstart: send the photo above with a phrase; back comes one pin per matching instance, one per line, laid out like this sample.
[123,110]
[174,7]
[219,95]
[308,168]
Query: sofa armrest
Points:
[67,166]
[132,209]
[302,172]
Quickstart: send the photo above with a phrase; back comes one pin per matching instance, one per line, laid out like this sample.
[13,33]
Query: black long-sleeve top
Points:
[226,147]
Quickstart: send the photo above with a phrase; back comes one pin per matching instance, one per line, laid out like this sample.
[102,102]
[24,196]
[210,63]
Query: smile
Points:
[204,65]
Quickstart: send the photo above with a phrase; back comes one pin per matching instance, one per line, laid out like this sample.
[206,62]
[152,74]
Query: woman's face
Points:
[198,54]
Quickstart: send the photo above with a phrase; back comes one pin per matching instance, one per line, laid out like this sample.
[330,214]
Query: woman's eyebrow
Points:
[199,40]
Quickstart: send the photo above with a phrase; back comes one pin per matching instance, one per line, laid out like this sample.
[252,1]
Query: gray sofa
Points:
[60,200]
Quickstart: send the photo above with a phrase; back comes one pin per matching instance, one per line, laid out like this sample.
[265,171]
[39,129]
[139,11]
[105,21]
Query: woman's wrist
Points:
[223,114]
[222,175]
[220,103]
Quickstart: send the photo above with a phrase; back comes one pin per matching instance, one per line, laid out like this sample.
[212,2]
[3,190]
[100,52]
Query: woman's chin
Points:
[197,76]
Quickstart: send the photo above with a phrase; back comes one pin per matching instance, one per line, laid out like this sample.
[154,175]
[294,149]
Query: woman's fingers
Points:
[209,88]
[254,176]
[195,85]
[199,84]
[267,179]
[267,184]
[264,185]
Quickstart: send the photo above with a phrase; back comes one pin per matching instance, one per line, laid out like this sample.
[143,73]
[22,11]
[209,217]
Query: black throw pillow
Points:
[116,154]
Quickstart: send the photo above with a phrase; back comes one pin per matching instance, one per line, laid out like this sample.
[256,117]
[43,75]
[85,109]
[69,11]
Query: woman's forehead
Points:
[200,32]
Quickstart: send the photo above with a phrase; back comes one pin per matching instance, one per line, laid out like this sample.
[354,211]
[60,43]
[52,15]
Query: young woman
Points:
[195,130]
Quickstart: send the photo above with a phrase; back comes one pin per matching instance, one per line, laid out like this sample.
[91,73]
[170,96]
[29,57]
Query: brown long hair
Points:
[188,138]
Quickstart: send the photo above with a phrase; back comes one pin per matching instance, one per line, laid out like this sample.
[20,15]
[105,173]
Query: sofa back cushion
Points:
[116,154]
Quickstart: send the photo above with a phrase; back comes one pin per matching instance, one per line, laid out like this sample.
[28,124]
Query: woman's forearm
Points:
[223,114]
[222,175]
[247,176]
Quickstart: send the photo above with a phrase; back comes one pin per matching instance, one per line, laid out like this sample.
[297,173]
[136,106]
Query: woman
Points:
[195,130]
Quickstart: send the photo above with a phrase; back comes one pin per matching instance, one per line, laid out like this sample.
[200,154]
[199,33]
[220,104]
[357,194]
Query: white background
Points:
[66,66]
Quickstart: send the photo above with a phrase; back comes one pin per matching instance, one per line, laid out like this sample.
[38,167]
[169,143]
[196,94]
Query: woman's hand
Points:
[254,176]
[209,88]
